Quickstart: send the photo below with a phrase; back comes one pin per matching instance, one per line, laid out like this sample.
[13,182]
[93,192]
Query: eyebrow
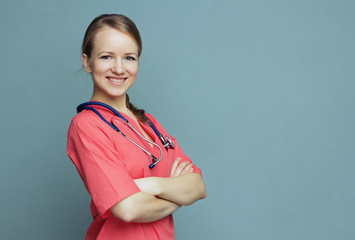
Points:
[105,52]
[109,52]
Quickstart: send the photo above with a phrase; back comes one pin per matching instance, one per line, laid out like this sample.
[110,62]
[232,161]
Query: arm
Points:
[183,187]
[143,207]
[154,203]
[95,157]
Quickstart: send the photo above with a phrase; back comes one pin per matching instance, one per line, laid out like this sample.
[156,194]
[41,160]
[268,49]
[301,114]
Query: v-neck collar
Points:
[145,127]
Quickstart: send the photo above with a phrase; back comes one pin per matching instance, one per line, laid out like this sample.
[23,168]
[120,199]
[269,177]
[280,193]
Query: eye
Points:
[130,58]
[105,57]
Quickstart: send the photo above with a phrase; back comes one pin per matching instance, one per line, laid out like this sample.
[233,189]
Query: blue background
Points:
[260,94]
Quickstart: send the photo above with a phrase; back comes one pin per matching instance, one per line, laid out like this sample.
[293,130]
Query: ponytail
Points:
[139,113]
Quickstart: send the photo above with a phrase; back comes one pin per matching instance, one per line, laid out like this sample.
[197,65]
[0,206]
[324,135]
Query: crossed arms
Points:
[159,197]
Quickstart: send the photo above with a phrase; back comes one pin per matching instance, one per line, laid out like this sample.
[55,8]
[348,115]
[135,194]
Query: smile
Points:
[117,81]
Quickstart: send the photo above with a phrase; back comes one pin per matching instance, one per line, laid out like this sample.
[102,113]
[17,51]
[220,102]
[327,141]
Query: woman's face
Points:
[113,64]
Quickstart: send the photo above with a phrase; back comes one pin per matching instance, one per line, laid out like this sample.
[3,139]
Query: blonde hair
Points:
[116,21]
[122,24]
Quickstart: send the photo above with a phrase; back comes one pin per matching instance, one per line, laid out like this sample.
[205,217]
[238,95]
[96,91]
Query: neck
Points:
[117,103]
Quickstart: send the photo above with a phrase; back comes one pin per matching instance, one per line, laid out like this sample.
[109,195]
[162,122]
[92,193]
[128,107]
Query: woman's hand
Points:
[180,168]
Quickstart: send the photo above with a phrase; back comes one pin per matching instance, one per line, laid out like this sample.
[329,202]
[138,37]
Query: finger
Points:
[173,168]
[175,164]
[191,170]
[186,169]
[180,168]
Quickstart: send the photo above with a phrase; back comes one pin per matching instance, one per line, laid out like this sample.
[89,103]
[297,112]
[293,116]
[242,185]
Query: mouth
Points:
[116,81]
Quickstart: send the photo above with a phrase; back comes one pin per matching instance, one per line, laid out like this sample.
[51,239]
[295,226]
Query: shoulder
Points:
[85,121]
[86,128]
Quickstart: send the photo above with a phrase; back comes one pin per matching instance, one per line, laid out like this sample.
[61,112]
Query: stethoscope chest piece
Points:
[168,143]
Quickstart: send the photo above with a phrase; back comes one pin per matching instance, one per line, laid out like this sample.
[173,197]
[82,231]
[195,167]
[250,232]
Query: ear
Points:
[86,63]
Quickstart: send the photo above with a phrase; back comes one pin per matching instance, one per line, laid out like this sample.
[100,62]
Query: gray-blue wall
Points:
[259,93]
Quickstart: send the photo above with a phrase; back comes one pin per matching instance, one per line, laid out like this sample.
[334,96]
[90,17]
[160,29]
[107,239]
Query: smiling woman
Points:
[113,66]
[112,144]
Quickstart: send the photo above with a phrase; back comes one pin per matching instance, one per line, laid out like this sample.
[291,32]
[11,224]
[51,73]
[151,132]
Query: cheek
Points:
[133,70]
[100,68]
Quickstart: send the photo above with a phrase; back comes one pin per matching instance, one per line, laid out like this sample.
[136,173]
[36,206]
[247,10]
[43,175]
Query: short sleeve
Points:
[97,161]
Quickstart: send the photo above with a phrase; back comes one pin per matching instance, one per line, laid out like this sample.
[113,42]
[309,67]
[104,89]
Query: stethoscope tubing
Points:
[155,160]
[85,104]
[166,144]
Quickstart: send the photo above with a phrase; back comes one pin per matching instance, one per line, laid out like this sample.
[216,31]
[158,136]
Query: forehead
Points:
[110,39]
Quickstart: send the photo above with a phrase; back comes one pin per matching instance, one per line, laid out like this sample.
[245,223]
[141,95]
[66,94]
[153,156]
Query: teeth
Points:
[117,80]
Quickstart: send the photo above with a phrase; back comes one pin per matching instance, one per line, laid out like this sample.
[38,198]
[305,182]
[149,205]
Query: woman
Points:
[135,184]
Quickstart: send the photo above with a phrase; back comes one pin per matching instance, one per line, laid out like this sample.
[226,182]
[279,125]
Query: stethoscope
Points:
[167,143]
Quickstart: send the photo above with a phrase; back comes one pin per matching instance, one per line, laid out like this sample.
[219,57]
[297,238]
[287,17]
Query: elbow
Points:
[204,193]
[200,194]
[124,212]
[126,217]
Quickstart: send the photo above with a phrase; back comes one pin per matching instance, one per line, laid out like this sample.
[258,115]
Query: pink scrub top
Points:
[107,163]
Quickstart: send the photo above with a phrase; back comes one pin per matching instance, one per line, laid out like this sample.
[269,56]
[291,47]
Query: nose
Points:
[118,67]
